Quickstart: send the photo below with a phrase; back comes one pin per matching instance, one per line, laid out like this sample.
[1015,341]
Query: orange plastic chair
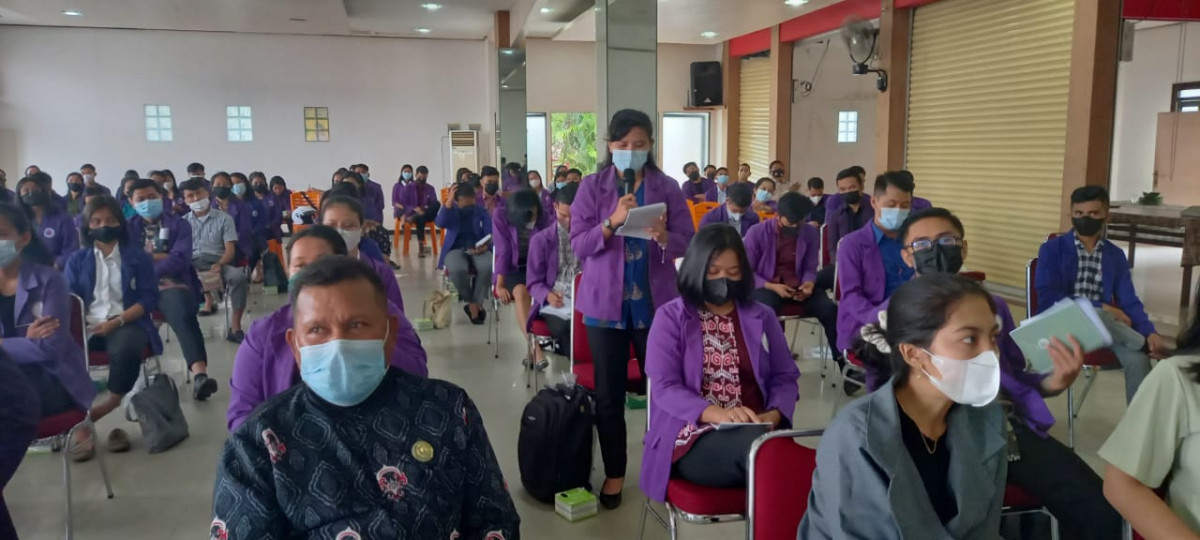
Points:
[408,229]
[698,211]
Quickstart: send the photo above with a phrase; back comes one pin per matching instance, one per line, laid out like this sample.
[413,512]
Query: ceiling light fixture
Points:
[297,19]
[504,86]
[795,2]
[72,13]
[547,10]
[507,52]
[423,30]
[431,6]
[709,34]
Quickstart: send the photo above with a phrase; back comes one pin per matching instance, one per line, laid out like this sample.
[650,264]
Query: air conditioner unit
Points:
[464,149]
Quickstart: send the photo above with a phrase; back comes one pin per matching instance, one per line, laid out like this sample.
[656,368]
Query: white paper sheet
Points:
[640,219]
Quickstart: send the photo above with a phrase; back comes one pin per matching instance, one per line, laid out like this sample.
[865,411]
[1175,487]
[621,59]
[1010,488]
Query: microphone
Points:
[629,181]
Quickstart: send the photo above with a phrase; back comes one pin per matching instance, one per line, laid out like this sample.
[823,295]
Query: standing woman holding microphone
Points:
[624,278]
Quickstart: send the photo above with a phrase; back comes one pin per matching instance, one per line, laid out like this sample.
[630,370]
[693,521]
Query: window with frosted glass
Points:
[238,123]
[316,124]
[158,123]
[847,126]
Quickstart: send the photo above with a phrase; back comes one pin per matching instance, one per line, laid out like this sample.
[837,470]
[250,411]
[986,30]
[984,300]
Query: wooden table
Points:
[1160,225]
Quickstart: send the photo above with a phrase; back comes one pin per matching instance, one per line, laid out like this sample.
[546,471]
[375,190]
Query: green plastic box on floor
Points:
[576,504]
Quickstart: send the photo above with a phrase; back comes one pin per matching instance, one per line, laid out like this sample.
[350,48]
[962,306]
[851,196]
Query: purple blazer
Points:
[675,365]
[504,236]
[400,197]
[42,291]
[720,214]
[178,264]
[139,285]
[841,221]
[372,201]
[603,261]
[541,271]
[509,183]
[425,199]
[693,190]
[60,235]
[919,203]
[547,197]
[242,222]
[265,367]
[1022,386]
[761,242]
[711,194]
[388,276]
[861,275]
[283,203]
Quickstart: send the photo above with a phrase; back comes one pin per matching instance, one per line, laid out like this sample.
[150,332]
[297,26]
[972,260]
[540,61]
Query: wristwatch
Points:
[608,225]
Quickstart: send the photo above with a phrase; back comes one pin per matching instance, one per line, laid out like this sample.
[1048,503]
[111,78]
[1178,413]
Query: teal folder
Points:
[1068,317]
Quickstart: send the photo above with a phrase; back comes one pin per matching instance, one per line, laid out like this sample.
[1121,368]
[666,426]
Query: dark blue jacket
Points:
[1058,264]
[448,219]
[139,284]
[178,264]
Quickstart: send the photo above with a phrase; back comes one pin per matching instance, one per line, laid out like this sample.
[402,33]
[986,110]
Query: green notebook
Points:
[1069,317]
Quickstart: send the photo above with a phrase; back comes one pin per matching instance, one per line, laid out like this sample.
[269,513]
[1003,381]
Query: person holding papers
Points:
[1083,264]
[716,357]
[467,248]
[934,243]
[626,275]
[551,273]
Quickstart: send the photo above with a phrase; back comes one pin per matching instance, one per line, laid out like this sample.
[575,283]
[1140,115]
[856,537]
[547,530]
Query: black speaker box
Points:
[706,85]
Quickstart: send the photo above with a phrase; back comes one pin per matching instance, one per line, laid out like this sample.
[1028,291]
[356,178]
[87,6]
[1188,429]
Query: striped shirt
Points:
[211,232]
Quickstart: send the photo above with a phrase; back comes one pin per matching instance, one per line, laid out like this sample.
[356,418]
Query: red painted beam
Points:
[754,42]
[1162,10]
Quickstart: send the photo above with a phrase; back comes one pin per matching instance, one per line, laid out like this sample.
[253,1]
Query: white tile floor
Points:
[168,495]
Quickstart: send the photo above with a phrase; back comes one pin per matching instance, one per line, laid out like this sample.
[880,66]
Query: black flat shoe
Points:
[610,502]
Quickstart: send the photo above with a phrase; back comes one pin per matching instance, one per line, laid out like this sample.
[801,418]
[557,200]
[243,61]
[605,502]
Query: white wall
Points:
[815,150]
[561,77]
[1143,91]
[69,96]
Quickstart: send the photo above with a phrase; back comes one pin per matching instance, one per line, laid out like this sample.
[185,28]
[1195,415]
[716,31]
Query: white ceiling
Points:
[679,21]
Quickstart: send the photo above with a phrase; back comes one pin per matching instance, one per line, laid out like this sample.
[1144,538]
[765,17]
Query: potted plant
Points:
[1150,198]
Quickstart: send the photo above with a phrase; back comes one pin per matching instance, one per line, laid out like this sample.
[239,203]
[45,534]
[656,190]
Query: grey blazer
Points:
[867,487]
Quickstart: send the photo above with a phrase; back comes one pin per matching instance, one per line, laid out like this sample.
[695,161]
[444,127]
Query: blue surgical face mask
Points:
[763,195]
[723,179]
[892,218]
[630,159]
[239,189]
[406,175]
[560,185]
[8,252]
[365,175]
[344,372]
[149,208]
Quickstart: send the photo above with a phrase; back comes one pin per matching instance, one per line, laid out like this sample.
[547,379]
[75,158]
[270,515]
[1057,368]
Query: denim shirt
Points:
[895,270]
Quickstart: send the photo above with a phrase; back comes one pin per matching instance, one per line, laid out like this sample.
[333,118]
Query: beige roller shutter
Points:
[987,122]
[754,131]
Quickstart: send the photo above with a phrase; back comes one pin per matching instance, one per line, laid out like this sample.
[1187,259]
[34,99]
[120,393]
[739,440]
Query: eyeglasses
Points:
[945,241]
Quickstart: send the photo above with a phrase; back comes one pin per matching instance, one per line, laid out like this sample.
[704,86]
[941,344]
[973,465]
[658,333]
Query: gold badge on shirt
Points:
[422,451]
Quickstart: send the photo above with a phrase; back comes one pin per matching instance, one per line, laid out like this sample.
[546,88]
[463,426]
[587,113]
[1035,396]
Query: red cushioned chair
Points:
[826,255]
[1093,362]
[99,359]
[780,478]
[581,353]
[694,504]
[1017,501]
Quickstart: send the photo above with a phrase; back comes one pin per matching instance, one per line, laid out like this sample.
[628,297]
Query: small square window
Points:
[238,123]
[158,123]
[316,124]
[847,127]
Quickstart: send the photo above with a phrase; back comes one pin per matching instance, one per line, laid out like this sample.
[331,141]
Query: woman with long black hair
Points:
[512,227]
[625,278]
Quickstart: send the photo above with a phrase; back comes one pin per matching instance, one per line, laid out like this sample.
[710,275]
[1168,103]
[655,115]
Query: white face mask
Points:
[974,382]
[734,216]
[352,237]
[535,184]
[199,206]
[89,177]
[816,199]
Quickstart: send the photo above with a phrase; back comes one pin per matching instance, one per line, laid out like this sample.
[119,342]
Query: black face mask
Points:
[852,197]
[1087,225]
[491,189]
[261,188]
[75,188]
[718,291]
[222,192]
[787,230]
[105,234]
[938,259]
[693,176]
[35,198]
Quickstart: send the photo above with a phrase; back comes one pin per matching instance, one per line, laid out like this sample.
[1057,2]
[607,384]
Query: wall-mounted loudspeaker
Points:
[706,85]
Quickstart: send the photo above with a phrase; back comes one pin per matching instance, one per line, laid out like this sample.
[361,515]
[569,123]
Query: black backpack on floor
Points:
[554,447]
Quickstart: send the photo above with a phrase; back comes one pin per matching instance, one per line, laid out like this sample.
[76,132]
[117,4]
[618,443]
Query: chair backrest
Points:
[1031,299]
[837,285]
[765,215]
[581,353]
[698,211]
[779,481]
[78,328]
[826,257]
